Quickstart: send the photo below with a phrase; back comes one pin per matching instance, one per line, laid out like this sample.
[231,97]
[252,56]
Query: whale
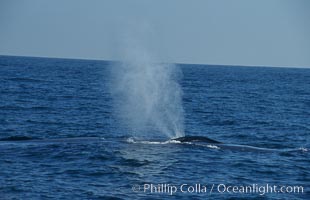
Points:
[30,140]
[205,141]
[202,141]
[196,139]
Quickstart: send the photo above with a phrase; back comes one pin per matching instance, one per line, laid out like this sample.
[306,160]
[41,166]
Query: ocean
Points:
[61,139]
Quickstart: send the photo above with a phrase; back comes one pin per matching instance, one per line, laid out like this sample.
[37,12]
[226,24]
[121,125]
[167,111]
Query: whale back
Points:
[196,139]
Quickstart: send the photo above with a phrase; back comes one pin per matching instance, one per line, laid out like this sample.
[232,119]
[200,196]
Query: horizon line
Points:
[177,63]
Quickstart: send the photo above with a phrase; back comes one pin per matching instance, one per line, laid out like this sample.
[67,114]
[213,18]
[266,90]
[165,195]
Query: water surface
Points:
[49,101]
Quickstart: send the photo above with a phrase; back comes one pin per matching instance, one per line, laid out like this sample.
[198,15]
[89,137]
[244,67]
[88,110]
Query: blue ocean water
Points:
[44,102]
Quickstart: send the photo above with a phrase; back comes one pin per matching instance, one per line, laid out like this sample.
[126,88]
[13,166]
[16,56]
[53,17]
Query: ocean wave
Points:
[31,80]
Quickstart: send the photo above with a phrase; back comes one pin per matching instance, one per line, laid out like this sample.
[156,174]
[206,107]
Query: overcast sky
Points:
[230,32]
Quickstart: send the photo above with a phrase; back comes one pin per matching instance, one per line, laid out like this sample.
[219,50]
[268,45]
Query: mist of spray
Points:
[148,95]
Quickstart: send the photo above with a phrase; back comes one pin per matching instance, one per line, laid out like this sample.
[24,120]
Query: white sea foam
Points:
[132,140]
[304,149]
[213,146]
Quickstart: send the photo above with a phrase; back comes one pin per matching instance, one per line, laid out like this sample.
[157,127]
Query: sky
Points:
[223,32]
